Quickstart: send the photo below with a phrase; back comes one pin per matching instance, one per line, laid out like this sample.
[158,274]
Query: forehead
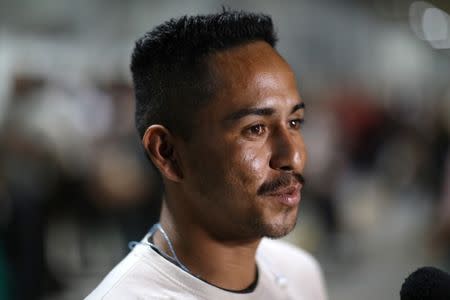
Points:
[251,75]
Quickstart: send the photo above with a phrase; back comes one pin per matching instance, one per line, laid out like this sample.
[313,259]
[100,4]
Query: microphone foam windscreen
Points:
[426,283]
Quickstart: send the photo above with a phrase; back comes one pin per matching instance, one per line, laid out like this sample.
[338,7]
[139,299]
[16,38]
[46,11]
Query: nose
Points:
[288,151]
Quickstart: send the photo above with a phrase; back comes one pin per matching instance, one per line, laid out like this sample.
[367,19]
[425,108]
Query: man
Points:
[220,117]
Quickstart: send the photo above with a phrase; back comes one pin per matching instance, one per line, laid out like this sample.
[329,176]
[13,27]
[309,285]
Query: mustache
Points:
[283,181]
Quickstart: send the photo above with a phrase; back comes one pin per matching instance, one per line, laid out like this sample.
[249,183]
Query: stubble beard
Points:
[262,228]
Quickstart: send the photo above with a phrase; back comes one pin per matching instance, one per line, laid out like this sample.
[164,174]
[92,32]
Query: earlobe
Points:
[159,145]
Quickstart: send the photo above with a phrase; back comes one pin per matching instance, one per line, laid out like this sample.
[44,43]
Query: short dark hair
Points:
[169,67]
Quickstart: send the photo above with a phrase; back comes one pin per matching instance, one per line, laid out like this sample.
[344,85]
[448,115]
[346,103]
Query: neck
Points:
[229,265]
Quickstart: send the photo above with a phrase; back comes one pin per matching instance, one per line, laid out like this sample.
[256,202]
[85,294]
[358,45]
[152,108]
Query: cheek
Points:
[229,169]
[250,166]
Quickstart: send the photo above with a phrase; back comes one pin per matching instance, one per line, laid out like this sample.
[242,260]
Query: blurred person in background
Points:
[4,267]
[441,182]
[220,116]
[63,190]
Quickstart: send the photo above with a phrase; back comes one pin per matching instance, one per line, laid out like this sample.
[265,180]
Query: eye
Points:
[296,124]
[258,129]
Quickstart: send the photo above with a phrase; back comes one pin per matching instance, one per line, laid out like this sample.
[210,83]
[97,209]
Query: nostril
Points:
[286,168]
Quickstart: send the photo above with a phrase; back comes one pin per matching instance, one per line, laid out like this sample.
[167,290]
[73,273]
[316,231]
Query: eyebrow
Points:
[264,111]
[297,107]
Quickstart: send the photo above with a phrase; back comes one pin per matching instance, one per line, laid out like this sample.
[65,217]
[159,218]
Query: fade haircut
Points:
[169,64]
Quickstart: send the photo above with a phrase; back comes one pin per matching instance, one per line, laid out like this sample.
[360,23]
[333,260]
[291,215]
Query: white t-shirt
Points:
[285,272]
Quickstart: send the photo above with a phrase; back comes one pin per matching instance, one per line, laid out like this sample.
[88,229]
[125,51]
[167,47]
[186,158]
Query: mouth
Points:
[288,196]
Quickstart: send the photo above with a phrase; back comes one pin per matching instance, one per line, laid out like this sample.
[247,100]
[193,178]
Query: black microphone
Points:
[426,283]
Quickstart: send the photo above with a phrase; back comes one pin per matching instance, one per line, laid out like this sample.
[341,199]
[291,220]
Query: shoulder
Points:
[295,264]
[118,279]
[137,276]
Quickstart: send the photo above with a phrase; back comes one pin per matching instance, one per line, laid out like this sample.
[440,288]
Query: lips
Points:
[289,196]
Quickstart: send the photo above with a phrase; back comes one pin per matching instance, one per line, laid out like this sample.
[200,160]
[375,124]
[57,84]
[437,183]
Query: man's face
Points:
[242,167]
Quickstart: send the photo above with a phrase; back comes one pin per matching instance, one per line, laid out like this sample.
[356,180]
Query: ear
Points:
[159,145]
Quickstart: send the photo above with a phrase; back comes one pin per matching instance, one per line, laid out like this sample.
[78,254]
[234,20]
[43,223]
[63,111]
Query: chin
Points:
[280,225]
[276,231]
[271,223]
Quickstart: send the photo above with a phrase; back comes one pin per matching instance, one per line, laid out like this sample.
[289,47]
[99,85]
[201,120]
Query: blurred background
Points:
[75,186]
